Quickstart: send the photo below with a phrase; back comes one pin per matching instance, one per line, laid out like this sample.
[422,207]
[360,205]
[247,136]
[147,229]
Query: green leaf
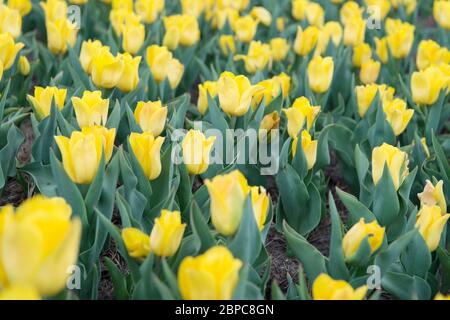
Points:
[118,279]
[277,294]
[356,209]
[417,257]
[200,229]
[406,287]
[386,206]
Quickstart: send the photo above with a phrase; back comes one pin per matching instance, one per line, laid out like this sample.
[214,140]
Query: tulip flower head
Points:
[360,231]
[327,288]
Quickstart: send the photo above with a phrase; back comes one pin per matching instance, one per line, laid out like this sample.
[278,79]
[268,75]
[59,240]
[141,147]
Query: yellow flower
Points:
[370,69]
[305,40]
[350,11]
[147,150]
[8,50]
[90,109]
[107,69]
[358,232]
[381,49]
[409,5]
[149,10]
[136,242]
[366,94]
[42,100]
[219,17]
[235,93]
[89,49]
[299,9]
[280,48]
[270,122]
[81,155]
[354,32]
[361,53]
[182,29]
[117,17]
[334,31]
[320,73]
[382,8]
[24,65]
[260,205]
[396,161]
[309,147]
[429,53]
[193,7]
[315,14]
[163,65]
[106,135]
[54,9]
[133,36]
[227,196]
[284,81]
[196,149]
[19,292]
[245,28]
[203,90]
[300,113]
[426,85]
[271,88]
[430,223]
[440,296]
[397,115]
[130,75]
[259,56]
[23,6]
[441,9]
[167,233]
[212,275]
[151,116]
[39,242]
[326,288]
[227,45]
[60,33]
[261,14]
[400,37]
[433,195]
[10,21]
[280,24]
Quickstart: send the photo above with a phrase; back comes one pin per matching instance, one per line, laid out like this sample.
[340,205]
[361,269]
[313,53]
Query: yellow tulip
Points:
[426,85]
[106,135]
[8,50]
[19,292]
[117,17]
[184,28]
[136,242]
[280,24]
[381,49]
[270,122]
[107,69]
[320,73]
[440,296]
[81,155]
[130,75]
[397,115]
[227,45]
[89,49]
[366,94]
[133,36]
[219,17]
[409,5]
[193,7]
[382,6]
[396,161]
[441,9]
[147,150]
[358,232]
[326,288]
[433,195]
[91,109]
[23,6]
[354,32]
[259,56]
[42,100]
[10,21]
[203,90]
[299,9]
[334,31]
[430,223]
[315,14]
[271,88]
[323,40]
[361,53]
[299,114]
[60,33]
[39,242]
[167,233]
[279,48]
[350,11]
[370,69]
[24,65]
[309,147]
[235,93]
[227,196]
[196,149]
[305,40]
[429,53]
[54,9]
[260,205]
[284,81]
[261,14]
[163,65]
[245,28]
[151,116]
[149,10]
[211,275]
[400,37]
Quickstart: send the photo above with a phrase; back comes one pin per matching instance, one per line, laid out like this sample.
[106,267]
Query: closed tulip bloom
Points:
[39,242]
[300,114]
[235,93]
[280,23]
[309,147]
[299,9]
[196,149]
[354,32]
[185,27]
[334,30]
[10,21]
[205,88]
[8,50]
[260,205]
[323,40]
[122,5]
[433,195]
[163,65]
[320,73]
[396,161]
[219,17]
[151,116]
[270,122]
[130,75]
[23,6]
[90,109]
[89,49]
[149,10]
[42,100]
[259,56]
[24,66]
[400,37]
[382,6]
[305,40]
[133,36]
[54,9]
[361,53]
[19,292]
[60,33]
[358,232]
[106,135]
[279,48]
[81,155]
[227,196]
[167,233]
[397,115]
[227,45]
[193,7]
[441,9]
[350,11]
[315,14]
[136,242]
[107,69]
[212,275]
[272,88]
[426,85]
[381,49]
[245,28]
[284,81]
[261,14]
[429,53]
[430,223]
[369,72]
[365,95]
[440,296]
[117,17]
[147,150]
[326,288]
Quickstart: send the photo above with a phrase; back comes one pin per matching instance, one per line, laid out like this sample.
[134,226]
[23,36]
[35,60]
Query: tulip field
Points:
[224,149]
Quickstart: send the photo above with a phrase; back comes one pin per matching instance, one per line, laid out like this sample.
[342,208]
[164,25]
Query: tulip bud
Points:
[315,14]
[147,150]
[227,45]
[245,28]
[366,94]
[300,112]
[227,193]
[280,24]
[186,26]
[358,232]
[23,6]
[136,242]
[167,233]
[212,275]
[426,85]
[433,195]
[350,12]
[133,36]
[440,296]
[259,56]
[42,100]
[441,13]
[306,40]
[163,65]
[196,149]
[10,21]
[334,30]
[400,37]
[431,53]
[309,147]
[203,90]
[396,161]
[381,49]
[107,70]
[130,75]
[89,49]
[299,9]
[369,72]
[279,48]
[149,10]
[24,66]
[397,115]
[107,137]
[91,109]
[193,7]
[320,73]
[8,50]
[151,117]
[54,9]
[430,223]
[260,205]
[326,288]
[361,53]
[261,14]
[270,122]
[60,33]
